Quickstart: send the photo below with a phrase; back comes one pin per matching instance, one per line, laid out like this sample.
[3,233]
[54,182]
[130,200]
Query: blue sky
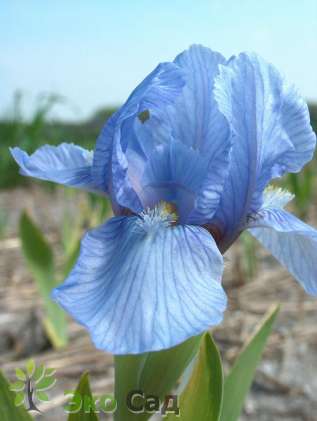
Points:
[95,52]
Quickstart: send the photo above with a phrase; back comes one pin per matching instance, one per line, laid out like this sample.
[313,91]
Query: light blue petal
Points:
[140,287]
[186,113]
[292,242]
[101,169]
[123,191]
[272,134]
[65,164]
[295,120]
[174,173]
[157,91]
[196,121]
[193,120]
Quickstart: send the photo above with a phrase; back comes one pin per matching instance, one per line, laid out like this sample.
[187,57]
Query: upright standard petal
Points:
[292,242]
[295,120]
[193,121]
[194,117]
[197,122]
[272,134]
[142,285]
[110,166]
[65,164]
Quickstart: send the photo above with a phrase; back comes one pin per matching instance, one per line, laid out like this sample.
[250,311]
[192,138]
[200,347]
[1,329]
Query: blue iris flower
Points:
[186,162]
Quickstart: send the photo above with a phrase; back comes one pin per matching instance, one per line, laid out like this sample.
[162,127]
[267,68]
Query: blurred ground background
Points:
[285,387]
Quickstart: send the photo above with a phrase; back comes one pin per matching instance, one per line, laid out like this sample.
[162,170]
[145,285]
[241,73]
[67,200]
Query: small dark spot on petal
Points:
[125,212]
[144,116]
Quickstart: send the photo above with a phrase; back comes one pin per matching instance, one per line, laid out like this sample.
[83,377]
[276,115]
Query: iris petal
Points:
[157,90]
[292,242]
[140,289]
[194,117]
[174,173]
[272,134]
[123,191]
[295,120]
[196,121]
[65,164]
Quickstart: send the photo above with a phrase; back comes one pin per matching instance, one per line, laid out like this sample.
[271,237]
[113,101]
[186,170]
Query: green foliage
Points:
[3,222]
[20,374]
[302,185]
[11,408]
[83,389]
[171,362]
[206,396]
[202,397]
[249,256]
[39,257]
[91,212]
[239,380]
[30,367]
[37,253]
[313,115]
[39,130]
[14,131]
[154,373]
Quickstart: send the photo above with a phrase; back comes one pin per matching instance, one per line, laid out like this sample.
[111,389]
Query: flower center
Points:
[164,214]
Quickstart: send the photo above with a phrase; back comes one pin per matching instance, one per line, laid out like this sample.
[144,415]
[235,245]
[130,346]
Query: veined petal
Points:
[174,173]
[272,134]
[157,90]
[295,120]
[195,118]
[196,121]
[101,169]
[65,164]
[142,285]
[292,242]
[123,192]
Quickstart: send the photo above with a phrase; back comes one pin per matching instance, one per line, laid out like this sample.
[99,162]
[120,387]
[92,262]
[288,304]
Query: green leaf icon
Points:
[50,372]
[30,367]
[8,409]
[42,396]
[20,374]
[17,386]
[45,383]
[19,399]
[39,373]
